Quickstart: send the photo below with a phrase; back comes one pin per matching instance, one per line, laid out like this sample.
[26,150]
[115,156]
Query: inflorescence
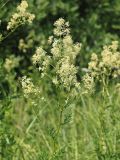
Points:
[21,16]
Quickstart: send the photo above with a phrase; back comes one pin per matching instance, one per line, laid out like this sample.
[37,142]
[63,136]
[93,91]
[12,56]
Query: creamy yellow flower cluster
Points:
[11,62]
[39,54]
[28,87]
[61,27]
[42,59]
[108,64]
[88,84]
[20,17]
[59,64]
[103,67]
[62,57]
[67,73]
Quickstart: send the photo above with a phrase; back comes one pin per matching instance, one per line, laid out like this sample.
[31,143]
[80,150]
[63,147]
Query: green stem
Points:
[58,129]
[10,33]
